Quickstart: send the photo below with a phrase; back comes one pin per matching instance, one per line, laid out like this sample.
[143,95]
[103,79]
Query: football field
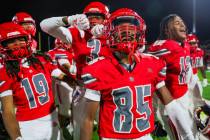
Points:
[206,90]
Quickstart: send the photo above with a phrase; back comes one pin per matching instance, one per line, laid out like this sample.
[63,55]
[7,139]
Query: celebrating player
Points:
[25,86]
[62,55]
[84,44]
[172,48]
[84,47]
[123,85]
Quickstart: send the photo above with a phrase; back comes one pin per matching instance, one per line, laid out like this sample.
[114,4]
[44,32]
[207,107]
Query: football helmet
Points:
[125,31]
[23,17]
[97,8]
[192,39]
[8,32]
[202,118]
[97,13]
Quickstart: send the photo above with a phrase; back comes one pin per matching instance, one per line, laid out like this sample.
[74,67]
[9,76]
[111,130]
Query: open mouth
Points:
[182,31]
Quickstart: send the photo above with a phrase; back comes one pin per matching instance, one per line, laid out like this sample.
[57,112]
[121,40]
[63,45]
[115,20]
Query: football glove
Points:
[97,30]
[79,20]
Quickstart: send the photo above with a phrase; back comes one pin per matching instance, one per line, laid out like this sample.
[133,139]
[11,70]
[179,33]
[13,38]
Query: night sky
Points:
[152,12]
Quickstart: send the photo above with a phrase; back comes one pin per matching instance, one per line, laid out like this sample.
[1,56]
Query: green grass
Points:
[206,90]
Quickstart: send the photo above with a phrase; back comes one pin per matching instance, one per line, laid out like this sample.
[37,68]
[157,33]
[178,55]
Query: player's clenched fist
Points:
[79,20]
[97,30]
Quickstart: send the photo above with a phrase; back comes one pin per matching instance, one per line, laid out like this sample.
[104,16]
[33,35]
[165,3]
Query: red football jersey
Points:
[32,95]
[196,55]
[57,54]
[177,58]
[126,97]
[87,48]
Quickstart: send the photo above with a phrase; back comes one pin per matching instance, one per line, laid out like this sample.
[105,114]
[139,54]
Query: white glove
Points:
[97,30]
[204,82]
[79,20]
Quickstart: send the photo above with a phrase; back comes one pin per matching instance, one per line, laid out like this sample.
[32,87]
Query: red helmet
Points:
[60,44]
[202,119]
[97,8]
[8,31]
[23,17]
[125,30]
[192,39]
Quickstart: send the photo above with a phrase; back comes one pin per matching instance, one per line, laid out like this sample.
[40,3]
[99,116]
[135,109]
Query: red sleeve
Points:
[91,79]
[75,34]
[93,76]
[160,48]
[161,70]
[5,81]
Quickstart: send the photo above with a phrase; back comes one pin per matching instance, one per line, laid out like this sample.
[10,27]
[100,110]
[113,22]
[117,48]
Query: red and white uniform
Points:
[196,55]
[195,86]
[60,53]
[32,95]
[86,48]
[126,95]
[62,56]
[62,91]
[177,58]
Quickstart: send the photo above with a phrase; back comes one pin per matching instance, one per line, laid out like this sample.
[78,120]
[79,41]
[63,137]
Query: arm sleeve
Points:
[5,84]
[55,27]
[161,74]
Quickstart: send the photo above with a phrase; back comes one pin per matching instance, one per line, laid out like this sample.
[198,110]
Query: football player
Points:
[28,107]
[123,85]
[172,48]
[197,55]
[28,23]
[63,55]
[82,37]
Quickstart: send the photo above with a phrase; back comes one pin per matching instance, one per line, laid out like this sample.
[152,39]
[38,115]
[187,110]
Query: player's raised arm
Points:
[56,26]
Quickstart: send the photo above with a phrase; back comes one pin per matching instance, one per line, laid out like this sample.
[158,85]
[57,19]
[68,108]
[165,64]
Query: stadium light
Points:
[194,16]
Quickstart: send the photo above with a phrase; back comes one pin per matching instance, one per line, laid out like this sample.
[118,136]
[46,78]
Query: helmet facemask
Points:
[125,34]
[18,51]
